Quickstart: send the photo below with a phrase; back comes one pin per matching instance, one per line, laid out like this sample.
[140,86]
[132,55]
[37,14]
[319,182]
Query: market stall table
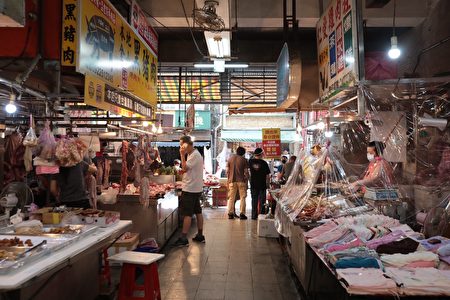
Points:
[69,273]
[159,220]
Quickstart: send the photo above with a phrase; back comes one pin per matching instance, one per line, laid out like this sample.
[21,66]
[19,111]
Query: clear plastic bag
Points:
[30,141]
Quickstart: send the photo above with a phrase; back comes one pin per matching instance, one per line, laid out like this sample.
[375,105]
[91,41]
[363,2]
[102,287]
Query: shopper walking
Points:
[237,173]
[259,181]
[192,169]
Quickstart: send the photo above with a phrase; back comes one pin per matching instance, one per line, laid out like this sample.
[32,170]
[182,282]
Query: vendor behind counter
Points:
[379,173]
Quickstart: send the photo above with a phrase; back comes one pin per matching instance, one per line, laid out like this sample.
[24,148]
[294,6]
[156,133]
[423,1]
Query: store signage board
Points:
[141,24]
[336,47]
[202,119]
[111,50]
[99,94]
[271,142]
[69,36]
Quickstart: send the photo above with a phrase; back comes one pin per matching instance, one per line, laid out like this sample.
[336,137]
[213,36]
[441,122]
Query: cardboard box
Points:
[124,245]
[108,219]
[266,227]
[46,216]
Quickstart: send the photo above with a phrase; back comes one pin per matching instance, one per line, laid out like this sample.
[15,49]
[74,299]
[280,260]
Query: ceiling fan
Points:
[207,18]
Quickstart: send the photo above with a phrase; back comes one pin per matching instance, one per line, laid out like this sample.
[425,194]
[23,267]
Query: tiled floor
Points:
[233,264]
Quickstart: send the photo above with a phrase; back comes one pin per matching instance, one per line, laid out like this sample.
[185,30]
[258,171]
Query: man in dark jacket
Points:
[259,181]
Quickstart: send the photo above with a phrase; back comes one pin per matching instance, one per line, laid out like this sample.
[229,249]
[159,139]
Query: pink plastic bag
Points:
[47,143]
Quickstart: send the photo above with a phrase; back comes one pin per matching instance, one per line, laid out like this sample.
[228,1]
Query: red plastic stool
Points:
[147,263]
[106,269]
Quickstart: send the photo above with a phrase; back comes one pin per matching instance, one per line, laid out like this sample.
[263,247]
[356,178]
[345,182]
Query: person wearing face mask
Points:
[379,173]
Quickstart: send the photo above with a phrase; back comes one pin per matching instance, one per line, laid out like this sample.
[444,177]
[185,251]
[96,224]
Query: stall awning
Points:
[254,136]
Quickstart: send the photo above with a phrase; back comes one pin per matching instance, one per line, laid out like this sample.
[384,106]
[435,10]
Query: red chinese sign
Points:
[271,142]
[140,23]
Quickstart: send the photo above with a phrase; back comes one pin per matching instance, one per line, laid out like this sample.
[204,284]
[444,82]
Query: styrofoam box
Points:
[266,227]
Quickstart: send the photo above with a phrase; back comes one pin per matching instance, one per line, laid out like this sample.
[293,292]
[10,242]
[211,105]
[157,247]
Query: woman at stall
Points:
[69,185]
[379,173]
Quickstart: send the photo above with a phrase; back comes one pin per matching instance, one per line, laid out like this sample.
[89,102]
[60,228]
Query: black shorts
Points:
[190,204]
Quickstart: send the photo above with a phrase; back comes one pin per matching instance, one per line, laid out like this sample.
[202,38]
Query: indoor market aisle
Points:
[233,264]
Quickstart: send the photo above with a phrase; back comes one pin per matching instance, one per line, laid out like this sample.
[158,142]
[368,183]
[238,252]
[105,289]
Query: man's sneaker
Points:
[181,242]
[199,238]
[236,216]
[231,216]
[242,217]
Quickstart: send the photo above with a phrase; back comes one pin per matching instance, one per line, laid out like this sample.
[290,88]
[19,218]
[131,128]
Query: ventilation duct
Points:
[297,80]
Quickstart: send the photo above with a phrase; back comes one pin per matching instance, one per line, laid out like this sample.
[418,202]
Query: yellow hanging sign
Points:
[110,49]
[69,36]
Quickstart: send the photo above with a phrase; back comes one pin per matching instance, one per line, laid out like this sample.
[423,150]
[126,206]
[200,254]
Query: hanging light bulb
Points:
[328,134]
[394,52]
[11,108]
[145,123]
[160,130]
[154,130]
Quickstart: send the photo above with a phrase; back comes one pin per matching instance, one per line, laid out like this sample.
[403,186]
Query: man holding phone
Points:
[192,170]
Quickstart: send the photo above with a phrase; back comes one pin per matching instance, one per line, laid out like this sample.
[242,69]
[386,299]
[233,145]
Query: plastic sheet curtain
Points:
[399,150]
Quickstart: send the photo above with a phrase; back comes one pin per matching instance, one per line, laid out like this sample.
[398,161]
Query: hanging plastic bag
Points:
[47,143]
[69,152]
[109,196]
[30,141]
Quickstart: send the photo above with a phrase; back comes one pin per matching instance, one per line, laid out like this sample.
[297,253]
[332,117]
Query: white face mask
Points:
[370,157]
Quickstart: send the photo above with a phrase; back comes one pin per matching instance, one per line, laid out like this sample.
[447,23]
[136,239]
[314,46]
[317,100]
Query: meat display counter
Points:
[69,272]
[159,220]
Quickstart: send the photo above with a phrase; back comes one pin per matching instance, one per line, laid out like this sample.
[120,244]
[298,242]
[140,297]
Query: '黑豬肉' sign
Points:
[271,142]
[111,50]
[336,43]
[69,36]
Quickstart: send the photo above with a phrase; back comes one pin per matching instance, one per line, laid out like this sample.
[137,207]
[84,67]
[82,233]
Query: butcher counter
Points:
[159,220]
[69,273]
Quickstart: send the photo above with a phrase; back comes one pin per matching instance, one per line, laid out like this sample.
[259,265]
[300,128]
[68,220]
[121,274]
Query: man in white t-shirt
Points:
[192,169]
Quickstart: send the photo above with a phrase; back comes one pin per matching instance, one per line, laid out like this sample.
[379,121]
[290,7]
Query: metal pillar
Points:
[360,53]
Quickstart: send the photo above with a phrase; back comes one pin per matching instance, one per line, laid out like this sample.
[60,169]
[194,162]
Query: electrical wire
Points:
[190,30]
[393,19]
[424,50]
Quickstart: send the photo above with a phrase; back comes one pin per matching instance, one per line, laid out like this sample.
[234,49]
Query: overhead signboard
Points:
[99,94]
[336,47]
[69,36]
[141,24]
[202,119]
[113,52]
[271,142]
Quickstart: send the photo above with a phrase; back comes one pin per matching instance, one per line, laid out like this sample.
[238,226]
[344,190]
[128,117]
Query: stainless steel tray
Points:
[73,231]
[10,265]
